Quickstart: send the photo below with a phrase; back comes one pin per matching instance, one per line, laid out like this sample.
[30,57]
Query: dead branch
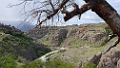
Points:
[55,11]
[17,4]
[77,11]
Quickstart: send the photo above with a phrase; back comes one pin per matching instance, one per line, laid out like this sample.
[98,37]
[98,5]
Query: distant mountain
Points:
[25,26]
[22,25]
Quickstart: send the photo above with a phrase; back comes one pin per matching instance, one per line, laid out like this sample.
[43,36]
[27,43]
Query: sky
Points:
[14,13]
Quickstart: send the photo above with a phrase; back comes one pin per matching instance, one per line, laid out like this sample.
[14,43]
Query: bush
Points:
[7,61]
[89,65]
[34,64]
[108,30]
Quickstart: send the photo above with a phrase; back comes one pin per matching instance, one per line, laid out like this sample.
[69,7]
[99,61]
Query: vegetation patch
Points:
[56,63]
[89,65]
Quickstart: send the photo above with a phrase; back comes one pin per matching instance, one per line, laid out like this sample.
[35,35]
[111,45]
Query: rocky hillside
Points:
[66,35]
[73,46]
[83,42]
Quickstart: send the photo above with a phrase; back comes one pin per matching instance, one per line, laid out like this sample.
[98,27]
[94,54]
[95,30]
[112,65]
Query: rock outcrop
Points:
[60,36]
[110,60]
[37,33]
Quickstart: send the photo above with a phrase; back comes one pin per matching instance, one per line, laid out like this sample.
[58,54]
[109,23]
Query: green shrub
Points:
[34,64]
[57,63]
[89,65]
[7,61]
[108,30]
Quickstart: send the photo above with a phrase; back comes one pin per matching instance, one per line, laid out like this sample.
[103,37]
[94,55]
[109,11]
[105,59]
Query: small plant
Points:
[108,30]
[89,65]
[7,61]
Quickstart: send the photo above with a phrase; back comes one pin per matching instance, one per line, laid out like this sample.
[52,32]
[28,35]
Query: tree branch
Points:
[75,12]
[18,3]
[52,5]
[55,11]
[60,7]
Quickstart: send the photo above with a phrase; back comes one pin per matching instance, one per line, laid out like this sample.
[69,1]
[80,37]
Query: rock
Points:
[92,35]
[118,64]
[38,33]
[95,59]
[110,59]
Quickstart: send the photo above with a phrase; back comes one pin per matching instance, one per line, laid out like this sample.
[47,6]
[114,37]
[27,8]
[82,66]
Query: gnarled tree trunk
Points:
[108,13]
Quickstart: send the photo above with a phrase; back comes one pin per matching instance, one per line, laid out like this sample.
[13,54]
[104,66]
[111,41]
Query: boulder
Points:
[110,59]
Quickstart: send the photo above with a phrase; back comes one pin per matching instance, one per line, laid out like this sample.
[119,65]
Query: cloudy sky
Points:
[14,13]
